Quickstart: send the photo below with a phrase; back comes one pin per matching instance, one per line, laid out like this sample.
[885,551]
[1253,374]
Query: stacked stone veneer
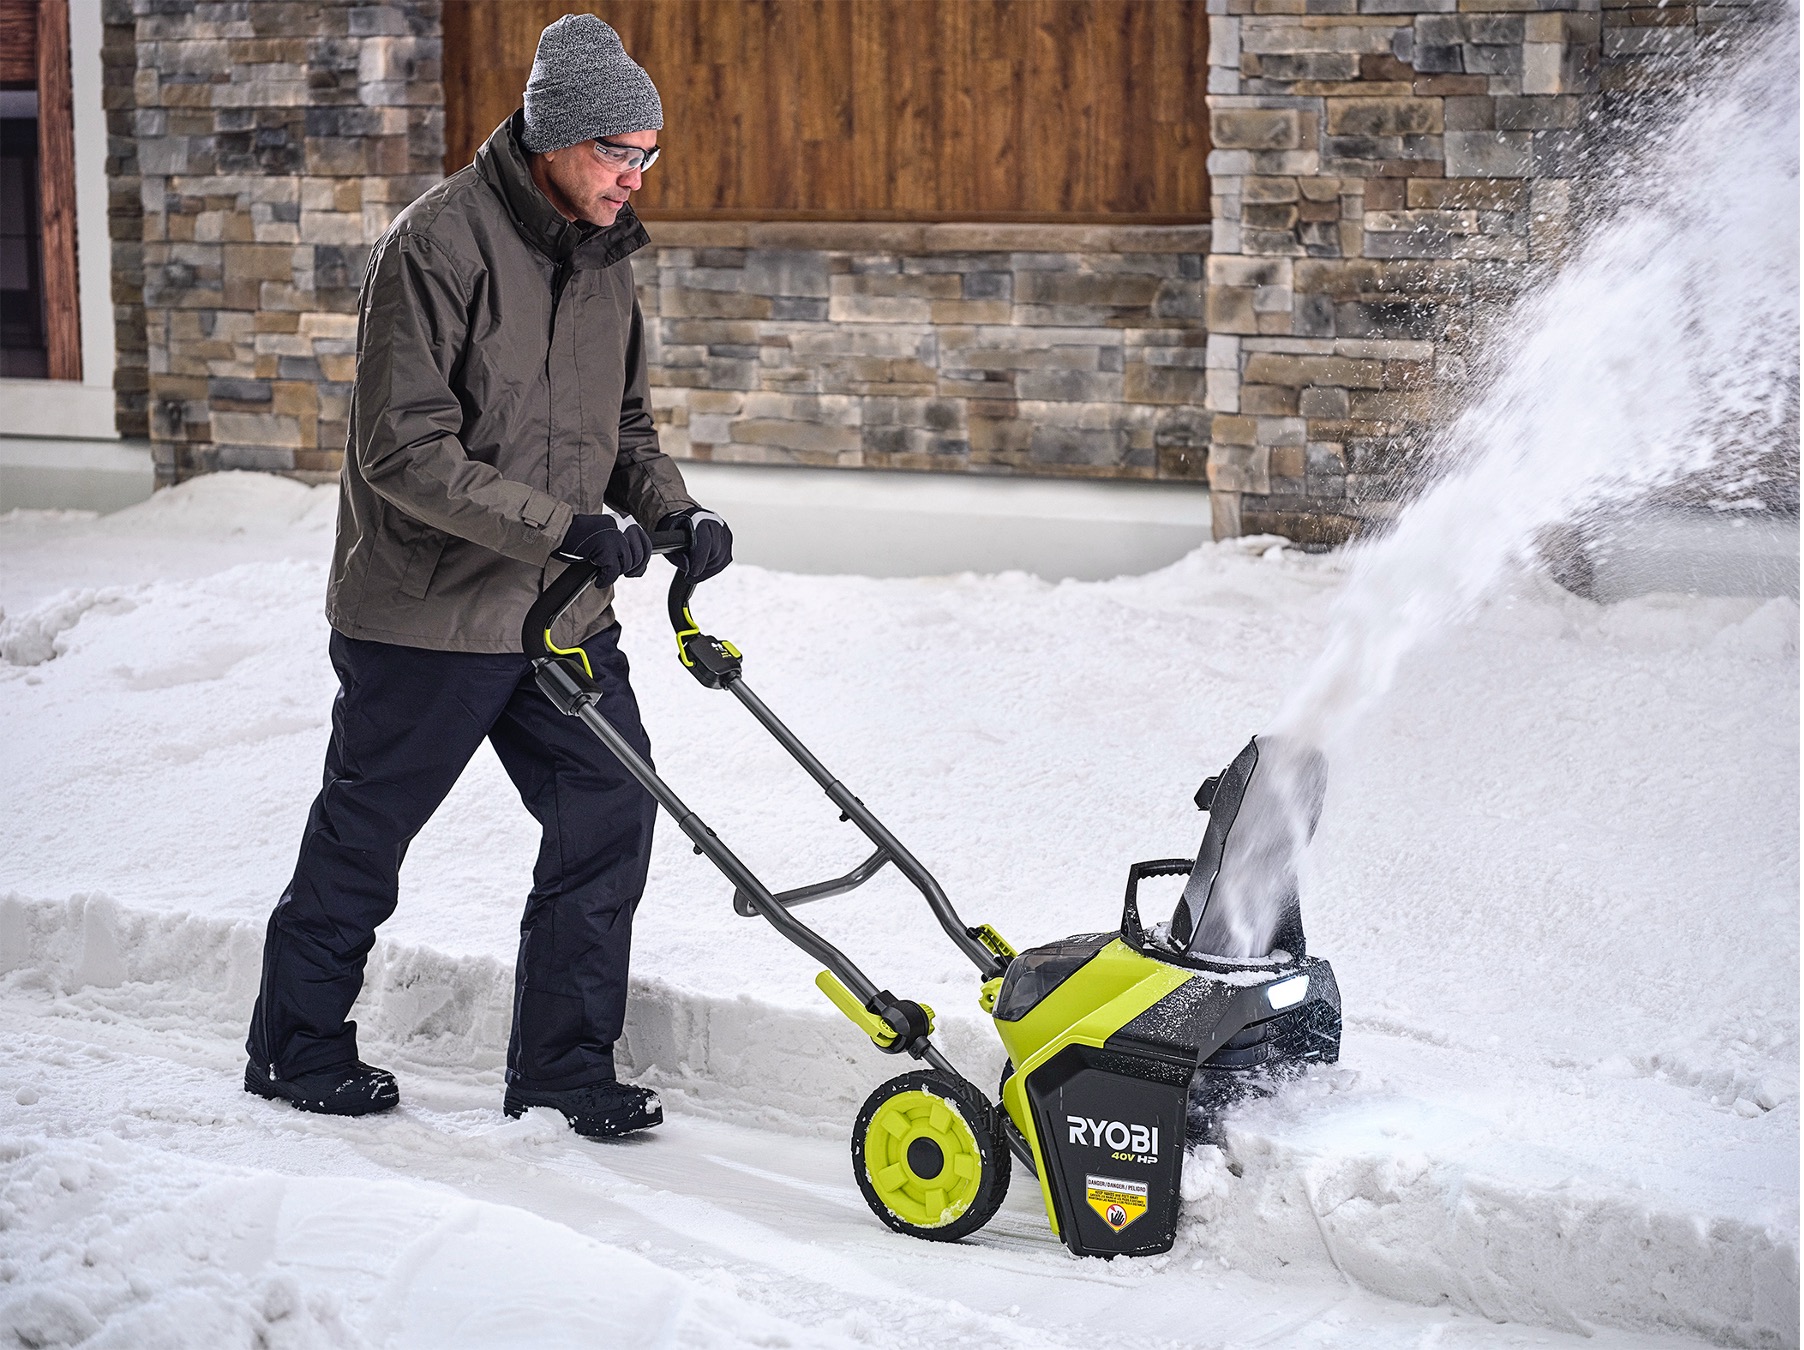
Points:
[125,219]
[1006,349]
[1386,175]
[1378,177]
[274,143]
[1652,47]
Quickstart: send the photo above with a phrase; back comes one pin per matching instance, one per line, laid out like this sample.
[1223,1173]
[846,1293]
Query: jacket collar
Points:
[502,164]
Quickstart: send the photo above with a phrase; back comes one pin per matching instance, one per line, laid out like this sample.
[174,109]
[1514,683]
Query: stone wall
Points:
[125,219]
[1388,174]
[1380,177]
[1651,47]
[262,146]
[275,141]
[1054,350]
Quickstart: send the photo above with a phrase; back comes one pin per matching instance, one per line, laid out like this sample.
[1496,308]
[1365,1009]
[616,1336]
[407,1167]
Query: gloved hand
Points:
[713,546]
[616,550]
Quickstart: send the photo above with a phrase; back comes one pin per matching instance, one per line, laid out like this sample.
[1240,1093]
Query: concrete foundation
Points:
[37,473]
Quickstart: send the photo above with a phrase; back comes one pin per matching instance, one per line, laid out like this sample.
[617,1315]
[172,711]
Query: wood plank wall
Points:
[1038,110]
[18,42]
[56,191]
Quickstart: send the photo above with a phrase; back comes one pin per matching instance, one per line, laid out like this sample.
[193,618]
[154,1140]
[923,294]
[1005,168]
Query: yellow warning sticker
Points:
[1118,1202]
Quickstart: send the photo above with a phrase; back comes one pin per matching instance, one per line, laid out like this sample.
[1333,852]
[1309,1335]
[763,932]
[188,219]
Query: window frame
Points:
[34,54]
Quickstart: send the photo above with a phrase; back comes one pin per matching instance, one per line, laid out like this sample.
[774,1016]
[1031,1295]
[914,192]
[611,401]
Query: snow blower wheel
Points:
[929,1157]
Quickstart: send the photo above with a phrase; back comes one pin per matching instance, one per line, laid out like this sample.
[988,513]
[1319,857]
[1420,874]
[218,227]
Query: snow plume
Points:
[1665,353]
[1667,349]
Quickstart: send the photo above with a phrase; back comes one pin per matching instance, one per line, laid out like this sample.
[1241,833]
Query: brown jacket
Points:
[501,389]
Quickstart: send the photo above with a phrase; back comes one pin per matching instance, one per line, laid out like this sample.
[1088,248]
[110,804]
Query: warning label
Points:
[1118,1202]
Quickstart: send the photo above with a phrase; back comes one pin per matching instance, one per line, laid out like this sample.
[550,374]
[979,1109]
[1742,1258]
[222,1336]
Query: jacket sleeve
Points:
[408,416]
[646,482]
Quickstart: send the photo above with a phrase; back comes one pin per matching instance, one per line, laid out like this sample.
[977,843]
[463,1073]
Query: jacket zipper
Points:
[559,280]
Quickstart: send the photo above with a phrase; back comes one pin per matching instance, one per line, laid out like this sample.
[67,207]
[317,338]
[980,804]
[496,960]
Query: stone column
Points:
[275,142]
[125,220]
[1383,170]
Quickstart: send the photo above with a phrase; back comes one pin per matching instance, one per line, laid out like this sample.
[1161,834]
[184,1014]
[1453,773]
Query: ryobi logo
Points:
[1113,1134]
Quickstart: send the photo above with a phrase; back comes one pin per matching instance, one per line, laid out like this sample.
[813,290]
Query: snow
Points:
[180,1255]
[1557,877]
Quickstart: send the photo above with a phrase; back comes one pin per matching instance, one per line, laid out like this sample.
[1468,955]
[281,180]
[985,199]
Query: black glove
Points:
[616,551]
[711,548]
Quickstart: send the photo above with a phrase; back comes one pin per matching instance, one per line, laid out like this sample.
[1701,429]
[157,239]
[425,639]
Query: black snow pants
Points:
[404,724]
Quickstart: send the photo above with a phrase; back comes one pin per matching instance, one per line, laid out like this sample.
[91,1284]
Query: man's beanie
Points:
[585,86]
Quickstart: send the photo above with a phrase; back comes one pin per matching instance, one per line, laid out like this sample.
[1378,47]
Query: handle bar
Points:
[535,633]
[715,663]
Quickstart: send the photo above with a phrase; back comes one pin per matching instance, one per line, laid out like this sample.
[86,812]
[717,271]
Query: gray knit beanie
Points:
[585,86]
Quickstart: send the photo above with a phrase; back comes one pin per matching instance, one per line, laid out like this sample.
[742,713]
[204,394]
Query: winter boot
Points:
[600,1111]
[355,1090]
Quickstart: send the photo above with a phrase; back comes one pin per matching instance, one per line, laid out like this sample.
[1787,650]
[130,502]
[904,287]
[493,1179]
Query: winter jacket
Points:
[501,388]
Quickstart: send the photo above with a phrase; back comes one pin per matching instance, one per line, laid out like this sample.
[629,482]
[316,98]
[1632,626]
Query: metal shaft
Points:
[571,694]
[875,830]
[723,858]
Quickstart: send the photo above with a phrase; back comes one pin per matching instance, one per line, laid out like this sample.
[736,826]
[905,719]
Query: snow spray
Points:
[1664,352]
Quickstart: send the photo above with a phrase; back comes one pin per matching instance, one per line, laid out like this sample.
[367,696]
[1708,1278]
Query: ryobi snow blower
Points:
[1123,1046]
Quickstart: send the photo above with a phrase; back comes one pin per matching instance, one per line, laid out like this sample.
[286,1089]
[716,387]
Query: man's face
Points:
[582,184]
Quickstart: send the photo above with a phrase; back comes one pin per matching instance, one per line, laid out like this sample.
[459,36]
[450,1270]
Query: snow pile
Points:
[1390,1180]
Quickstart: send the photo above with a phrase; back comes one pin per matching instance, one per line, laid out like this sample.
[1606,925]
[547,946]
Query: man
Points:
[501,407]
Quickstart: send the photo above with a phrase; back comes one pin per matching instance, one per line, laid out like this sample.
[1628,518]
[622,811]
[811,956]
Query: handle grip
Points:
[1132,931]
[676,604]
[535,632]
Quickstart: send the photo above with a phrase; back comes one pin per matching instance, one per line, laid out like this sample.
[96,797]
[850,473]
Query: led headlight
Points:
[1287,993]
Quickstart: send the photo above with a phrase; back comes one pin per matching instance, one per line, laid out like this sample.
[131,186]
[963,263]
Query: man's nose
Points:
[633,179]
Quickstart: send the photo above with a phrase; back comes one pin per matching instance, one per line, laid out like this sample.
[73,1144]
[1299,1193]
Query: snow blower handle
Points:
[1133,932]
[535,633]
[713,661]
[895,1025]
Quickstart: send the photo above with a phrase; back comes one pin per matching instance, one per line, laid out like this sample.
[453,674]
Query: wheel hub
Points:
[922,1159]
[925,1159]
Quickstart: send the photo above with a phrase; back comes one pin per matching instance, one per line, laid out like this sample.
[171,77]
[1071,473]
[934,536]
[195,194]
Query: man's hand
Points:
[712,546]
[616,551]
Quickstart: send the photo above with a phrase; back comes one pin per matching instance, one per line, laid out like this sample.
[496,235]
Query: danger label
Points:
[1117,1202]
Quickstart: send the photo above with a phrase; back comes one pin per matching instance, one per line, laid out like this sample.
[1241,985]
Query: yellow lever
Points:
[861,1017]
[577,652]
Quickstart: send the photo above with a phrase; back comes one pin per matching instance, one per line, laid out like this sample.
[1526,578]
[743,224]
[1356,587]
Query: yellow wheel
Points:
[929,1157]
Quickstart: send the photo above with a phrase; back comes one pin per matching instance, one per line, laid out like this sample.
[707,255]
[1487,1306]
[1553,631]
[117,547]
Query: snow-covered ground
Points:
[1557,877]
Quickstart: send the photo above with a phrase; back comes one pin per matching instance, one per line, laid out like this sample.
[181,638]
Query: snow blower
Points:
[1123,1046]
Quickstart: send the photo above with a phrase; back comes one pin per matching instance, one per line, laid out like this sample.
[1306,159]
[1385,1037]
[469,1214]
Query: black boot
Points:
[600,1111]
[355,1090]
